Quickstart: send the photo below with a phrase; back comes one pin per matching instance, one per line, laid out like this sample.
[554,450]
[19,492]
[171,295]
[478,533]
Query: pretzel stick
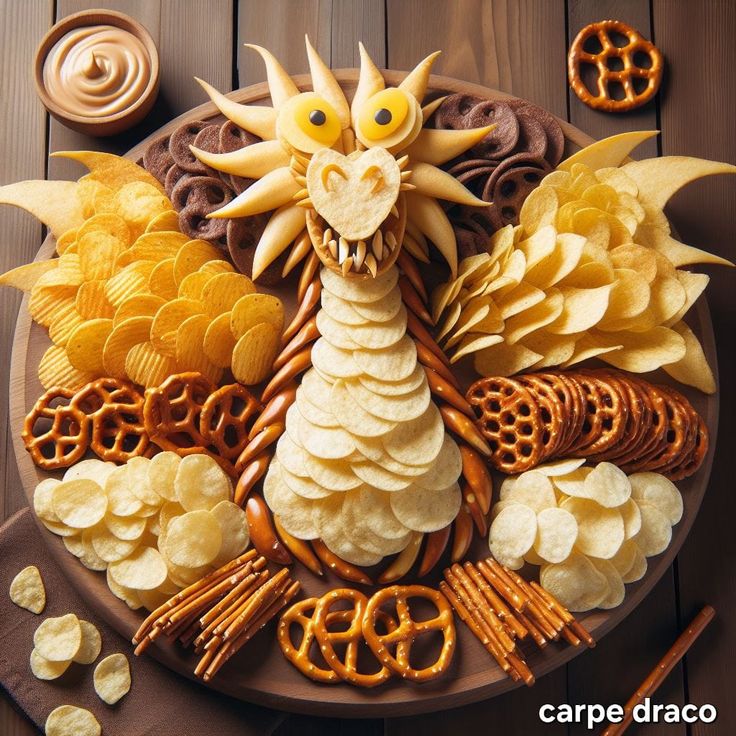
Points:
[237,623]
[570,621]
[546,618]
[513,597]
[665,665]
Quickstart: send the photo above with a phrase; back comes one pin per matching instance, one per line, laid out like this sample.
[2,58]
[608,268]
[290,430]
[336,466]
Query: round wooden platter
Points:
[259,673]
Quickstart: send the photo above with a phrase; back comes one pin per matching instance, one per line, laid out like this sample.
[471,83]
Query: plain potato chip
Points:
[576,583]
[660,492]
[112,678]
[46,669]
[656,532]
[632,518]
[68,720]
[512,533]
[144,569]
[638,568]
[129,596]
[624,559]
[121,500]
[90,469]
[162,473]
[234,529]
[532,489]
[27,590]
[123,337]
[572,484]
[161,281]
[125,528]
[110,548]
[616,590]
[58,639]
[557,532]
[200,483]
[91,644]
[79,503]
[560,467]
[418,441]
[424,510]
[607,485]
[389,365]
[192,540]
[139,481]
[600,530]
[86,344]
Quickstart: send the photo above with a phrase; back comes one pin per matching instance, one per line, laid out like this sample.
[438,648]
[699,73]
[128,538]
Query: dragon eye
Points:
[308,122]
[383,114]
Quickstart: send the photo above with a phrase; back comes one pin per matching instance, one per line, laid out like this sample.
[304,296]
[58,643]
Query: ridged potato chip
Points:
[58,639]
[112,678]
[254,353]
[86,344]
[27,590]
[223,290]
[132,279]
[146,366]
[91,301]
[253,309]
[68,720]
[56,370]
[123,337]
[167,321]
[162,282]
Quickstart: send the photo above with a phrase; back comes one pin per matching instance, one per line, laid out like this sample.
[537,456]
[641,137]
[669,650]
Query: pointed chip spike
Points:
[297,165]
[360,253]
[299,251]
[55,203]
[326,86]
[301,194]
[306,203]
[377,244]
[402,161]
[659,178]
[369,82]
[406,175]
[415,83]
[347,264]
[343,249]
[332,246]
[434,182]
[406,187]
[429,109]
[611,151]
[429,217]
[371,264]
[435,146]
[281,230]
[395,211]
[391,240]
[327,235]
[251,162]
[256,119]
[268,193]
[300,180]
[280,84]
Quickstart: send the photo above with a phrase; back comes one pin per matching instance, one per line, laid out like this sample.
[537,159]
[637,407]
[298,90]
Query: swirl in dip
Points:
[97,71]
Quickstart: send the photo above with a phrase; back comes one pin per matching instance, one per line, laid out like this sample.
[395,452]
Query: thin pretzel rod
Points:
[665,665]
[570,621]
[515,600]
[494,600]
[234,627]
[199,586]
[464,615]
[537,606]
[534,631]
[522,668]
[242,589]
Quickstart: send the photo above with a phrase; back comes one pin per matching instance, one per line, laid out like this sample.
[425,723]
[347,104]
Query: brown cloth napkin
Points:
[160,703]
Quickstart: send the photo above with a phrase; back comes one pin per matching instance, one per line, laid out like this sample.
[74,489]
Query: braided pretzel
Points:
[55,432]
[636,43]
[351,636]
[225,418]
[409,630]
[302,613]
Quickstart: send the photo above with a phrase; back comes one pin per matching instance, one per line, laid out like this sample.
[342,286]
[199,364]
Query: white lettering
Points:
[544,710]
[687,710]
[615,713]
[712,713]
[641,712]
[596,714]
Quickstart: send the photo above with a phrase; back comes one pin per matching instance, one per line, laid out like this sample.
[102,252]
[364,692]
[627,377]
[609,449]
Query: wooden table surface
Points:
[517,46]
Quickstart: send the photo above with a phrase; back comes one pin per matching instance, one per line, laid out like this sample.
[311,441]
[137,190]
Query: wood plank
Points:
[23,153]
[600,124]
[516,47]
[705,215]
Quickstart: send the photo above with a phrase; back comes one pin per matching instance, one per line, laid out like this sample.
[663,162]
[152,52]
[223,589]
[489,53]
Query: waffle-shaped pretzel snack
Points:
[55,432]
[226,419]
[409,630]
[625,75]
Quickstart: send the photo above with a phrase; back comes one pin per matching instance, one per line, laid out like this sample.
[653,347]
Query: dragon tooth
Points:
[395,211]
[327,236]
[347,265]
[377,245]
[403,161]
[343,249]
[371,264]
[360,251]
[390,238]
[332,246]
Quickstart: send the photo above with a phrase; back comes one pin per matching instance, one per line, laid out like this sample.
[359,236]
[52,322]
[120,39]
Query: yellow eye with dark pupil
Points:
[383,116]
[317,117]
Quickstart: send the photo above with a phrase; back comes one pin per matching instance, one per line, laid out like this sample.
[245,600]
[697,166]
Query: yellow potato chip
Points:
[108,223]
[69,720]
[600,530]
[169,319]
[189,343]
[45,302]
[64,322]
[254,309]
[145,569]
[138,305]
[165,222]
[192,285]
[24,277]
[193,539]
[222,291]
[45,669]
[564,259]
[692,369]
[148,367]
[66,240]
[58,639]
[132,279]
[217,266]
[161,280]
[156,246]
[191,256]
[91,644]
[98,253]
[576,583]
[539,208]
[534,318]
[643,351]
[88,190]
[139,202]
[27,590]
[110,548]
[56,370]
[87,343]
[79,503]
[201,483]
[234,529]
[219,342]
[582,309]
[123,337]
[55,203]
[91,301]
[129,596]
[254,354]
[112,678]
[505,360]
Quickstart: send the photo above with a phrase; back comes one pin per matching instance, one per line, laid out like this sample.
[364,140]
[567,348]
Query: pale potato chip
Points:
[660,492]
[425,510]
[162,473]
[378,477]
[418,441]
[352,417]
[218,343]
[42,499]
[121,500]
[254,354]
[129,596]
[532,489]
[223,290]
[27,590]
[322,442]
[192,540]
[390,332]
[139,482]
[90,469]
[234,529]
[335,362]
[656,532]
[58,639]
[24,277]
[616,590]
[389,365]
[144,569]
[364,291]
[446,468]
[607,485]
[632,518]
[125,528]
[400,408]
[69,720]
[572,483]
[112,678]
[91,644]
[311,409]
[110,548]
[79,503]
[332,475]
[583,309]
[600,530]
[168,511]
[638,568]
[87,555]
[692,369]
[191,256]
[557,532]
[45,669]
[576,583]
[644,351]
[505,360]
[560,467]
[512,533]
[303,486]
[200,483]
[625,558]
[340,310]
[389,388]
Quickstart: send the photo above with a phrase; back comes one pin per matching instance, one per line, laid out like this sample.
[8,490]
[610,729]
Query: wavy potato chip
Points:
[161,280]
[223,290]
[124,336]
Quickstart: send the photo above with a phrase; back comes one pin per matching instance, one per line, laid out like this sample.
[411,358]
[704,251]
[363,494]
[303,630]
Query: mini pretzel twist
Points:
[636,43]
[351,637]
[226,417]
[55,432]
[409,630]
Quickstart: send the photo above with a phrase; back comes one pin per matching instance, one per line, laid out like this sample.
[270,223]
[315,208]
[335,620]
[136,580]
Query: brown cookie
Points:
[157,159]
[232,137]
[511,190]
[504,138]
[555,137]
[243,234]
[195,198]
[173,176]
[452,114]
[183,137]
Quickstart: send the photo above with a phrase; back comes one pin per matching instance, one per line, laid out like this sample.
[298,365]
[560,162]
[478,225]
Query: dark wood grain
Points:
[697,111]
